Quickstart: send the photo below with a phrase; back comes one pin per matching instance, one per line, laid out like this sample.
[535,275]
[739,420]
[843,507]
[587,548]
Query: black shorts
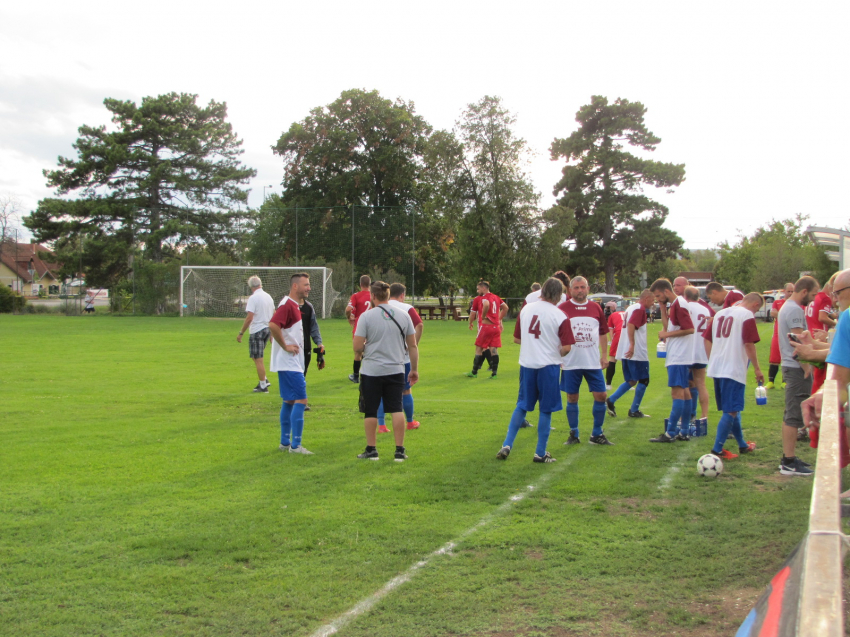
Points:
[373,389]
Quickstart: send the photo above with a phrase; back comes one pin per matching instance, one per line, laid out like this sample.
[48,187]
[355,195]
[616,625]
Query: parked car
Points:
[622,302]
[769,297]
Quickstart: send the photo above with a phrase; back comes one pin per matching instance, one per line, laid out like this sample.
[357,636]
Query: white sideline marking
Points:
[667,478]
[366,604]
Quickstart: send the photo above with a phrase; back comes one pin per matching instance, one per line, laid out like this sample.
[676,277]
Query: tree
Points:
[10,216]
[616,225]
[477,178]
[774,255]
[167,175]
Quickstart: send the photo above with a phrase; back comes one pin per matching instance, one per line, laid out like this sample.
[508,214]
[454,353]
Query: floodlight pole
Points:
[413,256]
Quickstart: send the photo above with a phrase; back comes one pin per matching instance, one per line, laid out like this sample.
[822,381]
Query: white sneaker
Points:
[302,450]
[607,387]
[284,447]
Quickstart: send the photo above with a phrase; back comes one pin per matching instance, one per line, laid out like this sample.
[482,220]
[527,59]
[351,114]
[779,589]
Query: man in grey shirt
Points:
[382,335]
[792,320]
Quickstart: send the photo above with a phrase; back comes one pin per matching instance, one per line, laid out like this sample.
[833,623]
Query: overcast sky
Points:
[751,96]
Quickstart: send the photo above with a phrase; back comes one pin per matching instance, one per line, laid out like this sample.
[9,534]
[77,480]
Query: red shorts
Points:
[775,356]
[488,336]
[818,376]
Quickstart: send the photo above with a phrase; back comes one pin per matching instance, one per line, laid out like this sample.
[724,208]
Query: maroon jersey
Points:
[731,298]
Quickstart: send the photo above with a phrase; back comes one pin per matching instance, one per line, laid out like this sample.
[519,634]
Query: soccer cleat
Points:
[284,447]
[638,414]
[382,429]
[547,457]
[306,407]
[680,437]
[353,378]
[368,455]
[472,374]
[664,437]
[400,456]
[794,467]
[413,424]
[751,446]
[599,440]
[503,454]
[769,385]
[573,439]
[302,450]
[493,376]
[726,455]
[610,407]
[261,389]
[525,424]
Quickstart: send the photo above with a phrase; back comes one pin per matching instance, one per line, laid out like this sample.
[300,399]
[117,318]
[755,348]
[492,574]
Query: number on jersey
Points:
[534,326]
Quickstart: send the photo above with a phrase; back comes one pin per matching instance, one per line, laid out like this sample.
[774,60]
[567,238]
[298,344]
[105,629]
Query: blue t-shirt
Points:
[839,351]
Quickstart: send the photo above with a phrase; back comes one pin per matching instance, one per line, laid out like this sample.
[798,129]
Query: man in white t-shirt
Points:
[544,335]
[731,341]
[701,318]
[287,360]
[535,293]
[633,352]
[260,308]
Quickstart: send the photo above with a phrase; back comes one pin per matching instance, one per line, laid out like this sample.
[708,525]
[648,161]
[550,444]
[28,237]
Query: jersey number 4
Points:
[534,326]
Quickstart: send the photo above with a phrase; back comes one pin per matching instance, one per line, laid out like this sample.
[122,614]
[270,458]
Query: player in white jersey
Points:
[397,291]
[586,360]
[701,318]
[544,335]
[633,353]
[731,341]
[679,333]
[288,361]
[534,295]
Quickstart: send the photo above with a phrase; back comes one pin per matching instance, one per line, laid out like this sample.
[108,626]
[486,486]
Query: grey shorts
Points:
[257,343]
[797,389]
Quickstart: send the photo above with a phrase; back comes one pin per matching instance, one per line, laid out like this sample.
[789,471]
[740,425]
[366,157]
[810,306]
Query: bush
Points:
[10,301]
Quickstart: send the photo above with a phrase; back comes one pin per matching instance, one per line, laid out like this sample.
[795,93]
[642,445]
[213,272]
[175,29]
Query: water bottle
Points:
[661,350]
[761,395]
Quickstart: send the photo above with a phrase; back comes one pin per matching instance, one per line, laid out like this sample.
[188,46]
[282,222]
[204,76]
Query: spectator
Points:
[260,308]
[819,318]
[775,358]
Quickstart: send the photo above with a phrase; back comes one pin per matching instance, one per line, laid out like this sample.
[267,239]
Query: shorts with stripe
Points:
[488,336]
[257,343]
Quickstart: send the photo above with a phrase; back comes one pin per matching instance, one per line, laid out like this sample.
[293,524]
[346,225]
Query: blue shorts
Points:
[635,370]
[571,380]
[293,385]
[539,385]
[406,374]
[678,375]
[729,395]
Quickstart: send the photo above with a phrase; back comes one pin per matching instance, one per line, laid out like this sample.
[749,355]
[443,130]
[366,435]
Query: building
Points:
[698,278]
[24,271]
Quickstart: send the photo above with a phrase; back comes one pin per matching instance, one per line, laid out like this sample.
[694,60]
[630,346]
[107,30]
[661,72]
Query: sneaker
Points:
[261,389]
[525,424]
[368,455]
[638,414]
[610,407]
[413,424]
[306,407]
[400,456]
[302,450]
[547,457]
[751,446]
[682,437]
[599,440]
[493,376]
[503,454]
[573,439]
[284,447]
[382,429]
[769,385]
[794,467]
[664,437]
[472,374]
[353,378]
[726,455]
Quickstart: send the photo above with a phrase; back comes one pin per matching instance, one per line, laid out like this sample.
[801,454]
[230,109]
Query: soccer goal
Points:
[222,291]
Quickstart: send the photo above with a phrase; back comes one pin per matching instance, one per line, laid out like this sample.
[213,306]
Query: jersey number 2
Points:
[534,327]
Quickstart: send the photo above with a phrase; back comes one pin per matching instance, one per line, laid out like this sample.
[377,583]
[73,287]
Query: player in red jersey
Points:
[775,359]
[719,295]
[489,309]
[359,303]
[615,324]
[819,316]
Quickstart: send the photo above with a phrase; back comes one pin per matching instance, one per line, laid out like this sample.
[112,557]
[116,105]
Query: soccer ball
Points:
[710,466]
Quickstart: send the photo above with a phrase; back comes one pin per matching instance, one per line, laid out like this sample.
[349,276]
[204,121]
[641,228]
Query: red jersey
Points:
[615,323]
[822,303]
[360,302]
[493,312]
[731,298]
[777,305]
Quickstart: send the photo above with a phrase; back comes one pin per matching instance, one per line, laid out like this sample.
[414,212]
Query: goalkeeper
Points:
[311,331]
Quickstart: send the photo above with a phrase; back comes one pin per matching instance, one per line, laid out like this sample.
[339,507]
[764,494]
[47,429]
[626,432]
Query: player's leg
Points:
[407,400]
[256,348]
[640,390]
[526,400]
[478,360]
[494,355]
[285,425]
[596,383]
[798,389]
[610,371]
[382,425]
[775,360]
[392,387]
[293,389]
[570,385]
[677,381]
[358,359]
[549,393]
[625,386]
[370,400]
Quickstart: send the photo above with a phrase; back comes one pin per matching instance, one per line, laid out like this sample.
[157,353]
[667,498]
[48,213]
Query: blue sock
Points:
[723,428]
[694,402]
[640,390]
[285,424]
[297,420]
[598,416]
[622,389]
[407,405]
[738,431]
[381,413]
[675,416]
[544,426]
[572,416]
[517,419]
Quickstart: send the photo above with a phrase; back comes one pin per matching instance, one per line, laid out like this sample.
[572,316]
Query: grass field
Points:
[142,493]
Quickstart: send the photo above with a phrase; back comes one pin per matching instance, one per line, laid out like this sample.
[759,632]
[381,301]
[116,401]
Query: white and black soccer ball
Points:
[710,466]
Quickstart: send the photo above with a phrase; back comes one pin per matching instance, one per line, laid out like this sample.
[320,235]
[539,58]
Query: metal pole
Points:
[353,283]
[181,290]
[413,264]
[296,236]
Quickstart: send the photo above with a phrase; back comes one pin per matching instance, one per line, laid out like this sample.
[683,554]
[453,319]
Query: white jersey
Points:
[636,315]
[262,305]
[680,349]
[589,323]
[731,330]
[536,296]
[542,329]
[288,317]
[699,317]
[410,311]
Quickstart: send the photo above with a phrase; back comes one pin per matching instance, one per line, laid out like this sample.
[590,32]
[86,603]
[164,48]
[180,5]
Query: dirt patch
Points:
[534,555]
[771,482]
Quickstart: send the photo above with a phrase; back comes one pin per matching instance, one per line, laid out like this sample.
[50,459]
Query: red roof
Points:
[20,257]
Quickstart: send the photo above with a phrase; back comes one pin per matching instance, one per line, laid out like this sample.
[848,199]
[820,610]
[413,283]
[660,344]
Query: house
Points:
[698,278]
[24,271]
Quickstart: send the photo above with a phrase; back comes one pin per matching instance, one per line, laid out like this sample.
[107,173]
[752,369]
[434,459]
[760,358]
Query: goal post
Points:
[222,291]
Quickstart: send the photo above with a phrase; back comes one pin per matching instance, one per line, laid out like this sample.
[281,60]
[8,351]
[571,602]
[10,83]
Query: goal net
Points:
[222,291]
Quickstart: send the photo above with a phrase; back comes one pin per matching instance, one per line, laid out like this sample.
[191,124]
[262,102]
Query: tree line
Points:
[166,181]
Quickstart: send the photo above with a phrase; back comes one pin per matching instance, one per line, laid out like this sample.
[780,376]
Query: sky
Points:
[751,96]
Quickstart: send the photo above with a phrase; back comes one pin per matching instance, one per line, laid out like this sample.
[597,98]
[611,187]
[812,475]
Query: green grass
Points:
[142,493]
